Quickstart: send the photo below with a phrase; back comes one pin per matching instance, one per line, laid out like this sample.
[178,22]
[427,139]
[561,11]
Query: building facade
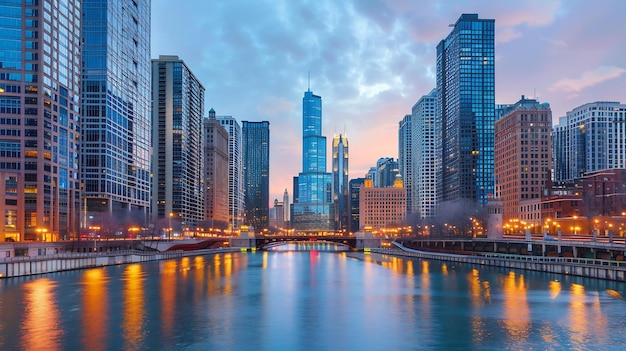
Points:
[382,208]
[340,182]
[314,210]
[355,192]
[39,120]
[216,168]
[235,172]
[466,110]
[387,171]
[523,159]
[426,161]
[178,145]
[256,172]
[405,158]
[589,138]
[116,114]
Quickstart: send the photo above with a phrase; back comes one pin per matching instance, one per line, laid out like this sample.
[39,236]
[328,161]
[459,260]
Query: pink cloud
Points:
[588,79]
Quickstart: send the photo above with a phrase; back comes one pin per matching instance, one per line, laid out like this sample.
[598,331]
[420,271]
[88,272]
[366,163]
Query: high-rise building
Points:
[314,210]
[235,172]
[589,138]
[382,208]
[39,119]
[116,113]
[215,174]
[523,158]
[387,172]
[286,215]
[178,145]
[426,158]
[256,171]
[466,110]
[355,191]
[405,158]
[340,182]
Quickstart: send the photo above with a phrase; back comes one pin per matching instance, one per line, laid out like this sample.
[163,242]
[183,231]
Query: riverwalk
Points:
[584,267]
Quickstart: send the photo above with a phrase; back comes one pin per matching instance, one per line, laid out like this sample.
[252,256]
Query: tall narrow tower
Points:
[341,190]
[313,210]
[256,171]
[466,110]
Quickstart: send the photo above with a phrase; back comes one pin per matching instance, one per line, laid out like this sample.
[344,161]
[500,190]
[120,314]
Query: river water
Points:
[313,300]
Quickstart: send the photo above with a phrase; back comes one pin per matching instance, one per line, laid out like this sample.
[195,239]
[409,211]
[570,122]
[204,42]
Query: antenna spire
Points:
[309,81]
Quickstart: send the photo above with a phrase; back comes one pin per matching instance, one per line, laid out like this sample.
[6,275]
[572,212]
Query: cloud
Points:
[588,79]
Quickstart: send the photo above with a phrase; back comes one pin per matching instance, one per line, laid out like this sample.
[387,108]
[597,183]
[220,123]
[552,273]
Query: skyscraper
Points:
[313,210]
[589,138]
[235,171]
[39,119]
[256,171]
[340,182]
[116,113]
[386,172]
[405,158]
[466,110]
[178,150]
[215,173]
[426,158]
[523,156]
[355,191]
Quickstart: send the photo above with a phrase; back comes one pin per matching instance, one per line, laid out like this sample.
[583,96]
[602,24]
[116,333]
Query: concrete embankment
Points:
[590,268]
[23,266]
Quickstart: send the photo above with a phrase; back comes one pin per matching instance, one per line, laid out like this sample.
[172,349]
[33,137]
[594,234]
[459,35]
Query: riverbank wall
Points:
[24,266]
[590,268]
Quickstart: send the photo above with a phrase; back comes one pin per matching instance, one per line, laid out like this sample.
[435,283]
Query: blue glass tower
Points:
[256,172]
[466,110]
[314,208]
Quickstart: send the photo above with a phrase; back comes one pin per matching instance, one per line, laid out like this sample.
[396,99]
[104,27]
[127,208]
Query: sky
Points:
[371,60]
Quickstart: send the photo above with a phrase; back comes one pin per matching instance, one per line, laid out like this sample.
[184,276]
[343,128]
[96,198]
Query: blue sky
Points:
[371,60]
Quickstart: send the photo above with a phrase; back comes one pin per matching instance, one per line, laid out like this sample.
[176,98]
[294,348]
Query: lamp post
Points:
[170,226]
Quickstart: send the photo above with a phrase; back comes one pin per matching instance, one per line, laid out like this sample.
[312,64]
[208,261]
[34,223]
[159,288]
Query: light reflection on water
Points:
[310,301]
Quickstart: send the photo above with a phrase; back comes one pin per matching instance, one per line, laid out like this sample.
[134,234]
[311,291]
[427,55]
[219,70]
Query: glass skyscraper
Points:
[426,159]
[256,169]
[39,119]
[235,172]
[313,210]
[116,113]
[177,161]
[466,110]
[340,182]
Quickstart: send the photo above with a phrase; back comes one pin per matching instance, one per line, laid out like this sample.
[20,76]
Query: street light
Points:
[170,228]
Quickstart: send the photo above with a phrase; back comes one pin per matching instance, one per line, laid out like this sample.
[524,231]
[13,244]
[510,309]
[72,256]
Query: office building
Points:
[355,191]
[235,172]
[466,110]
[216,166]
[178,149]
[589,138]
[340,182]
[39,120]
[387,171]
[314,210]
[256,172]
[523,159]
[382,208]
[426,160]
[405,158]
[116,114]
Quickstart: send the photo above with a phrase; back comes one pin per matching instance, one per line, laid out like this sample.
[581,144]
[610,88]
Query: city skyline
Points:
[371,63]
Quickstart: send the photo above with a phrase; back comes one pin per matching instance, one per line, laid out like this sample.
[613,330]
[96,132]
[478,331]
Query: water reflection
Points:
[94,319]
[516,314]
[307,246]
[41,316]
[133,295]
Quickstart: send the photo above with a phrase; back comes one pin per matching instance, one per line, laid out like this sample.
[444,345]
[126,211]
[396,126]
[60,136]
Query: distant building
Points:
[405,159]
[178,148]
[387,172]
[426,160]
[116,106]
[589,138]
[523,159]
[466,110]
[314,209]
[235,171]
[215,174]
[355,192]
[382,208]
[256,171]
[340,182]
[286,215]
[277,215]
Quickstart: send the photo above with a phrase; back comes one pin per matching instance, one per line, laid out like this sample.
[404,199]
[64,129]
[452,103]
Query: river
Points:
[311,300]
